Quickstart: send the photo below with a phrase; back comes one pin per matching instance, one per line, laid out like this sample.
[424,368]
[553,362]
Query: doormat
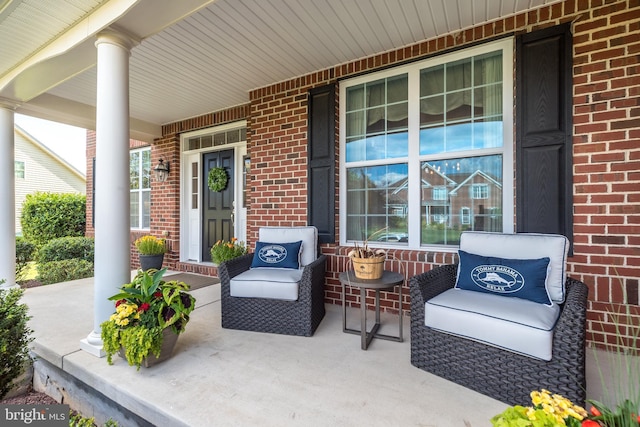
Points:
[195,281]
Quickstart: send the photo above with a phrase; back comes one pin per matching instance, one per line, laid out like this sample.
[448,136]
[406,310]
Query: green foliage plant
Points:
[15,336]
[64,271]
[67,248]
[77,420]
[217,179]
[24,255]
[47,216]
[621,386]
[624,414]
[143,309]
[150,245]
[224,251]
[548,410]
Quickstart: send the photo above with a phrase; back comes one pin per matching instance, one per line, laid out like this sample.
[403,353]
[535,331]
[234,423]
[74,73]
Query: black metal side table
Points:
[389,280]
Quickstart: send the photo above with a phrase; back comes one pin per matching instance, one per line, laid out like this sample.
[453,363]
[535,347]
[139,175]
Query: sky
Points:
[68,142]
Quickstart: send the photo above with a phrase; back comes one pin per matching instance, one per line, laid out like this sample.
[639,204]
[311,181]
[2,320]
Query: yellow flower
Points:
[531,413]
[580,410]
[536,398]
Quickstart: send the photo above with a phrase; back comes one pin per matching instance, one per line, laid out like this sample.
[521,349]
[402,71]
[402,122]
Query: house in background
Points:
[38,169]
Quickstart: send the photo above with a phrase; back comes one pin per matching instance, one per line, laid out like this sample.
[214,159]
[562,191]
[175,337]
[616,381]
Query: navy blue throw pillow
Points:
[522,278]
[277,255]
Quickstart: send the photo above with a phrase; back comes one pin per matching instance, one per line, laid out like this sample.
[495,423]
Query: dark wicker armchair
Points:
[299,317]
[498,373]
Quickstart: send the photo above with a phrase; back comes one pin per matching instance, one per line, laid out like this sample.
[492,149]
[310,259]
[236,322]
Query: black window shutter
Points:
[544,195]
[321,162]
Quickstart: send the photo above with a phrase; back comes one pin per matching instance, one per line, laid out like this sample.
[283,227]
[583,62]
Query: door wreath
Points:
[217,179]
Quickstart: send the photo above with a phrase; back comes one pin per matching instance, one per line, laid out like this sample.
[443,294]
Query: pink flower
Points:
[144,306]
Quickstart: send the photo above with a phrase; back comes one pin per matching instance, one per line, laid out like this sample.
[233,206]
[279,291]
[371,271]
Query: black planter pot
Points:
[151,261]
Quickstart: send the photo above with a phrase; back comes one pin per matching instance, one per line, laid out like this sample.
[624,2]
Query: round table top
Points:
[389,279]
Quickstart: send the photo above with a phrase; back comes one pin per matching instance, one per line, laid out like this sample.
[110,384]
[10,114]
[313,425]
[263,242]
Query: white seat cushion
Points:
[276,283]
[525,246]
[515,324]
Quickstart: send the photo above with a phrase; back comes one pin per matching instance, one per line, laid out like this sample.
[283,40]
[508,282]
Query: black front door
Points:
[217,212]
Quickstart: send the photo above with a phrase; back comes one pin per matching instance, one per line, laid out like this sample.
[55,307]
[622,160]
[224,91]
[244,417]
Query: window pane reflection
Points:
[458,195]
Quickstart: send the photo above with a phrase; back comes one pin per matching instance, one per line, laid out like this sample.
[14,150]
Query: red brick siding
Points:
[606,162]
[606,150]
[606,141]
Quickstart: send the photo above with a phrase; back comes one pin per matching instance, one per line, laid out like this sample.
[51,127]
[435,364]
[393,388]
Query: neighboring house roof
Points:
[471,176]
[45,171]
[48,151]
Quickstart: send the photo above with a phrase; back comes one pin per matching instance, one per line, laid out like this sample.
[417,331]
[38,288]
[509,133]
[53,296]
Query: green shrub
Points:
[46,216]
[24,254]
[64,270]
[67,248]
[15,337]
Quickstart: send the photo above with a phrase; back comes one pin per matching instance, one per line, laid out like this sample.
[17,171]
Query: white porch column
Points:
[111,214]
[8,198]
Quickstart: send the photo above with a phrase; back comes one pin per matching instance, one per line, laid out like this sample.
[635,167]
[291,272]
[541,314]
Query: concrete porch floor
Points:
[220,377]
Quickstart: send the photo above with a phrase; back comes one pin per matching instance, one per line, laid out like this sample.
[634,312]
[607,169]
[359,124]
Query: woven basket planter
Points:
[368,268]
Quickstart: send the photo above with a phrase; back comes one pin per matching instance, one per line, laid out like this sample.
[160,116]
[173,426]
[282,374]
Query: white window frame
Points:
[440,193]
[479,191]
[140,191]
[465,215]
[414,159]
[19,169]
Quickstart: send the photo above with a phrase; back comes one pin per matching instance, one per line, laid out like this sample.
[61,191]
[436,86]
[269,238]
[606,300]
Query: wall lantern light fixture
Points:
[162,171]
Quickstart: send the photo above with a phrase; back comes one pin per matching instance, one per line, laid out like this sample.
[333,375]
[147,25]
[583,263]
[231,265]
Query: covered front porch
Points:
[227,377]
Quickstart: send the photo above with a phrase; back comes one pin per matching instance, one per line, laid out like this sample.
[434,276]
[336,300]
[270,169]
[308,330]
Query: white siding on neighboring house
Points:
[44,171]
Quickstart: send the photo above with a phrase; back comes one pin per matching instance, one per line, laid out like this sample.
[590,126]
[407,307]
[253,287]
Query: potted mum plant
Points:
[151,251]
[149,315]
[224,251]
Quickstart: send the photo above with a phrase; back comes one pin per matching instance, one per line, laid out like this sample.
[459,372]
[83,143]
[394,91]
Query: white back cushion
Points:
[524,246]
[308,235]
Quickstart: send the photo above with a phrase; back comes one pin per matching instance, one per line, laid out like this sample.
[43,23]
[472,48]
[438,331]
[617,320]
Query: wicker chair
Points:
[496,372]
[300,317]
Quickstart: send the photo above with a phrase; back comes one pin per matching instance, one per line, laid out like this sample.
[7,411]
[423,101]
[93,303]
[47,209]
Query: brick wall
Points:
[607,161]
[606,150]
[606,154]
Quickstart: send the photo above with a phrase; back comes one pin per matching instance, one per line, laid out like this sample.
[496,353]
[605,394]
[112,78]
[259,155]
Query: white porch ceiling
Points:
[198,56]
